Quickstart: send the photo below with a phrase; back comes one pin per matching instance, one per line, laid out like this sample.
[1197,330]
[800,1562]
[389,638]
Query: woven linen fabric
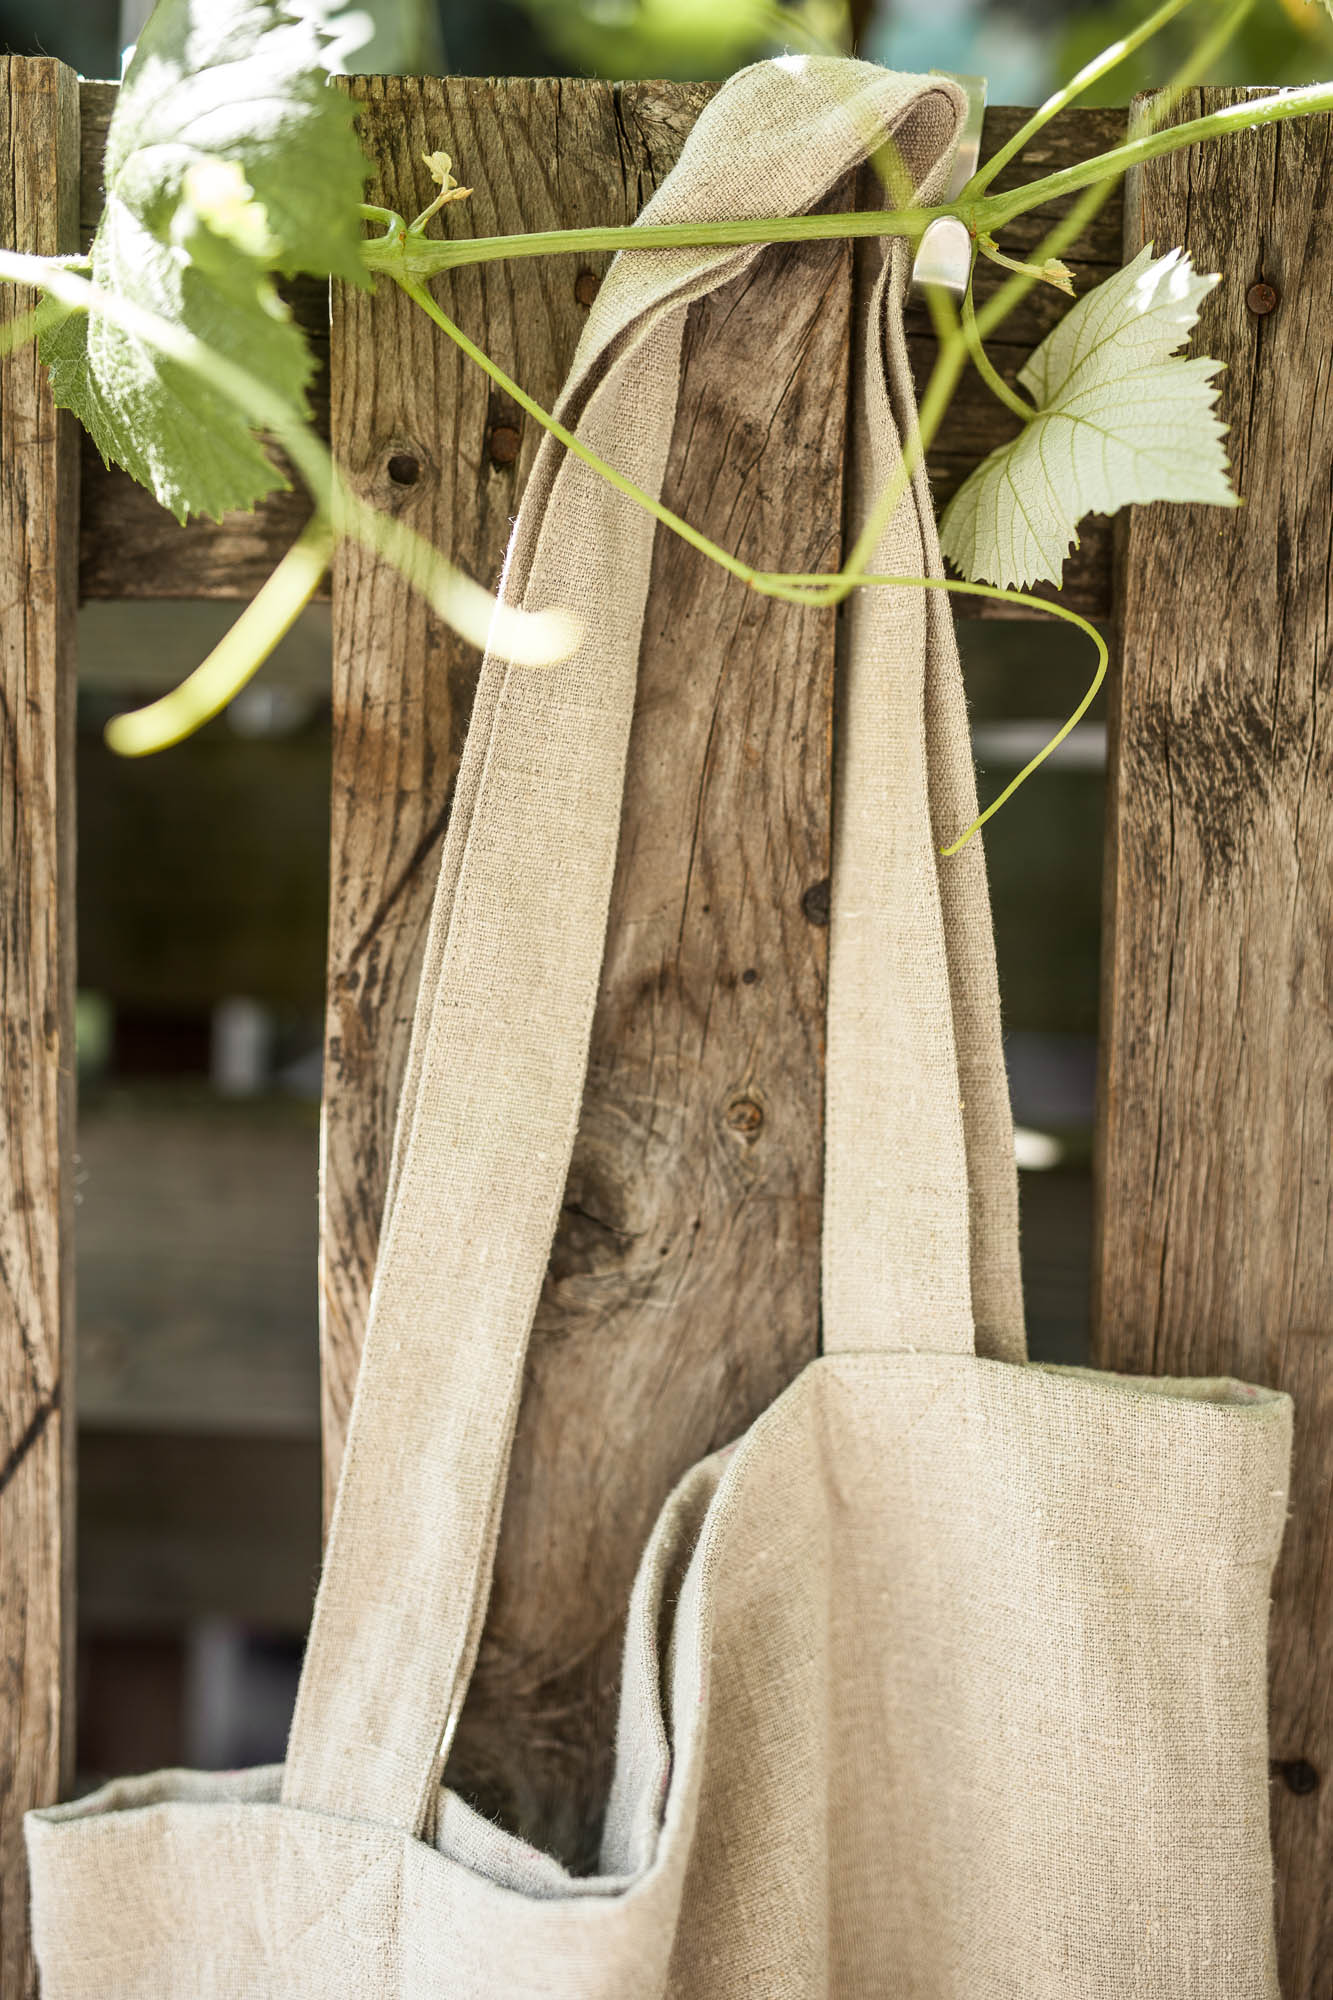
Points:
[947,1680]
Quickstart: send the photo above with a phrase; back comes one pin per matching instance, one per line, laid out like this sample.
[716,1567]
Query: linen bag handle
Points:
[499,1048]
[920,1224]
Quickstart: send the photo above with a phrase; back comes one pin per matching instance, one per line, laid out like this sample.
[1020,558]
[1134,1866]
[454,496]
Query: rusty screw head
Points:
[1261,298]
[744,1116]
[503,444]
[586,287]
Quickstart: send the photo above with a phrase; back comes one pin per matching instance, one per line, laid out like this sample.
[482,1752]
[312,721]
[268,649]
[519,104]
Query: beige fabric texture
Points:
[947,1681]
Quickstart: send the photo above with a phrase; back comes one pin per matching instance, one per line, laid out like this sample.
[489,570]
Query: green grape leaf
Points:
[229,157]
[1120,418]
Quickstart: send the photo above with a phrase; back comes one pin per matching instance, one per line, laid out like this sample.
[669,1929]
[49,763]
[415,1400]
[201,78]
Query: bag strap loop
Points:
[920,1235]
[495,1075]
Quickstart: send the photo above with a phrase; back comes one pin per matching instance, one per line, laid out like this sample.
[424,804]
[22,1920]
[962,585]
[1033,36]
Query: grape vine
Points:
[216,187]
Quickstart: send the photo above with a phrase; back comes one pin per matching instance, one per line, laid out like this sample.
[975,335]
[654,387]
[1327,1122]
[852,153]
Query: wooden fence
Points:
[684,1285]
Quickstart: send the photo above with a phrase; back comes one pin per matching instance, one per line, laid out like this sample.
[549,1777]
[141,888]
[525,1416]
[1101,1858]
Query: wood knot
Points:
[744,1116]
[586,287]
[404,468]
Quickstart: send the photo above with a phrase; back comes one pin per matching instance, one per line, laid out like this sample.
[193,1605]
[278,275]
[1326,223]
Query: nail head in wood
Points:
[504,441]
[1261,298]
[586,287]
[815,902]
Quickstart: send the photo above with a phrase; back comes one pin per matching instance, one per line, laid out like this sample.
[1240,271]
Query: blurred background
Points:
[1024,47]
[203,884]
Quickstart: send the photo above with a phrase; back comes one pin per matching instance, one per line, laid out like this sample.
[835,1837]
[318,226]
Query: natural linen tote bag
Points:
[945,1681]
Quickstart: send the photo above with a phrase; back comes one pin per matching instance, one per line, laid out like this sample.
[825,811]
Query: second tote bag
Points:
[947,1681]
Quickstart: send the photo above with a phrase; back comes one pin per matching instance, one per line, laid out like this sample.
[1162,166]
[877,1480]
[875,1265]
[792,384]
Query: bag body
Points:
[947,1681]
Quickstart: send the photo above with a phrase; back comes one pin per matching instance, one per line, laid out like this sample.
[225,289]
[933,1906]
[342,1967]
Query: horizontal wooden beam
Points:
[131,547]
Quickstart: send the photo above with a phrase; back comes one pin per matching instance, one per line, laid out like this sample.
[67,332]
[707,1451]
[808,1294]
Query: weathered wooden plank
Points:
[97,101]
[131,547]
[39,141]
[683,1290]
[1215,1249]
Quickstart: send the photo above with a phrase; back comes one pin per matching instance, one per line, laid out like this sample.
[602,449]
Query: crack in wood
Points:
[33,1431]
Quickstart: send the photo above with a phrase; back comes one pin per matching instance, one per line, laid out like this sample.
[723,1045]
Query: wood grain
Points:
[131,547]
[683,1290]
[39,138]
[1215,1250]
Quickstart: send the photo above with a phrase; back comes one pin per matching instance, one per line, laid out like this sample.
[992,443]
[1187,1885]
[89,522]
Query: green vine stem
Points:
[957,339]
[1091,72]
[1093,199]
[986,368]
[422,257]
[270,614]
[31,325]
[529,638]
[814,590]
[406,262]
[572,443]
[821,589]
[1045,605]
[976,326]
[950,361]
[1200,60]
[397,253]
[410,259]
[991,212]
[1094,687]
